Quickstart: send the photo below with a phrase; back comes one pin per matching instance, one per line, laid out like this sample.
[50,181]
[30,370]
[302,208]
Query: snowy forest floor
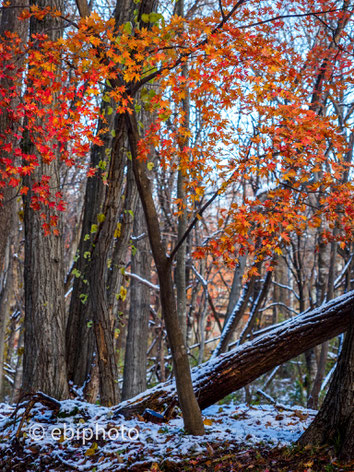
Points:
[239,437]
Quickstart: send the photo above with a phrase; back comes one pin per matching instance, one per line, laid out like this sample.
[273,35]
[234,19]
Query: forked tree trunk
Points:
[219,377]
[334,424]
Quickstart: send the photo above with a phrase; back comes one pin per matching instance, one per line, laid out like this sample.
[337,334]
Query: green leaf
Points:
[94,229]
[145,18]
[87,237]
[155,17]
[89,324]
[129,155]
[109,111]
[83,297]
[150,165]
[133,250]
[128,27]
[113,133]
[102,165]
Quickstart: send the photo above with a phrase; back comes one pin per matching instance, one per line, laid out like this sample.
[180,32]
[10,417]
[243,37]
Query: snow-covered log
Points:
[215,379]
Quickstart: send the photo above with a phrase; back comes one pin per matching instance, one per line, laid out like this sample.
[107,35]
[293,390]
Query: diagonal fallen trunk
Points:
[219,377]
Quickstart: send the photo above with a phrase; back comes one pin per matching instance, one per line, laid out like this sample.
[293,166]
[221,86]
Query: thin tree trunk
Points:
[236,286]
[235,318]
[6,285]
[180,271]
[321,367]
[191,413]
[256,307]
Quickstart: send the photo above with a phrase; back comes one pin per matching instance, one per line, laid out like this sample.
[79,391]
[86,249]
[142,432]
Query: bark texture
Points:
[134,380]
[80,338]
[8,127]
[219,377]
[44,365]
[334,424]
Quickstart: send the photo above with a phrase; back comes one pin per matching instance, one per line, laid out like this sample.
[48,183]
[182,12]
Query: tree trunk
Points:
[219,377]
[235,318]
[322,363]
[82,341]
[191,413]
[44,364]
[236,286]
[80,337]
[334,424]
[134,380]
[8,206]
[262,294]
[6,287]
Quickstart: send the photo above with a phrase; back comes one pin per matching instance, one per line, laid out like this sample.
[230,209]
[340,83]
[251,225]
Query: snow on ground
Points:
[83,436]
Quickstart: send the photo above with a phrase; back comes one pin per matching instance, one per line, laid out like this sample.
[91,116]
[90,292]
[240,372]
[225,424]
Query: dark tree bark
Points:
[8,127]
[219,377]
[44,365]
[134,380]
[334,424]
[97,345]
[80,337]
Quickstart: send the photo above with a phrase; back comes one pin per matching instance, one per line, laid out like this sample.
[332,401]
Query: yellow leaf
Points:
[208,422]
[123,293]
[118,230]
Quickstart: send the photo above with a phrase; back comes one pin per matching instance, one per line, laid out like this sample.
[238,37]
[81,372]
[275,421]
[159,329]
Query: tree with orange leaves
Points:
[232,59]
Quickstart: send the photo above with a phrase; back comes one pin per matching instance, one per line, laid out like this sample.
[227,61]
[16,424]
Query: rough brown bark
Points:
[83,342]
[134,380]
[334,424]
[8,206]
[44,365]
[80,338]
[219,377]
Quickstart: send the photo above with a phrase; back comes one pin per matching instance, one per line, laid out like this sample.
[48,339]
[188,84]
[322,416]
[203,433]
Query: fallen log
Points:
[219,377]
